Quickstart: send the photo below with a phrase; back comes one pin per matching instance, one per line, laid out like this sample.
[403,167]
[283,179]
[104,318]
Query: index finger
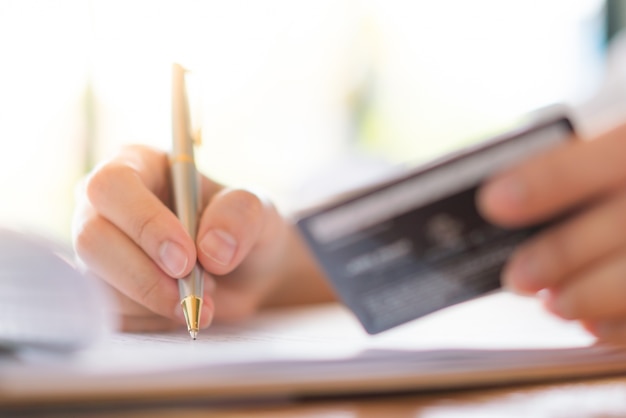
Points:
[555,181]
[130,191]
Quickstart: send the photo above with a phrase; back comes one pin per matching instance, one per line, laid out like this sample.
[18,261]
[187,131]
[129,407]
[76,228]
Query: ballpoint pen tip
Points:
[194,334]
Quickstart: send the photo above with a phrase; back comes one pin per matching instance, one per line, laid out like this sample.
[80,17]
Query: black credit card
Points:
[417,244]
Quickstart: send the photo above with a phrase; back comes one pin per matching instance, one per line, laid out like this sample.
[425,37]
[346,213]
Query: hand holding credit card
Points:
[417,244]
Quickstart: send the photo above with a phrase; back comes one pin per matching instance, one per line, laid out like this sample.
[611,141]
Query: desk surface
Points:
[161,393]
[573,399]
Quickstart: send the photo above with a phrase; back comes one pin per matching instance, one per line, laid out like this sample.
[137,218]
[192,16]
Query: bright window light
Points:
[290,90]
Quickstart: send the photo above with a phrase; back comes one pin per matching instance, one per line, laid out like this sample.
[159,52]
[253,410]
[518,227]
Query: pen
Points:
[186,193]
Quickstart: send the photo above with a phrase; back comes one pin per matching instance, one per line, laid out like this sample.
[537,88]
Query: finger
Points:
[134,317]
[596,293]
[146,324]
[122,192]
[142,286]
[552,257]
[613,331]
[230,226]
[112,256]
[556,180]
[129,310]
[125,306]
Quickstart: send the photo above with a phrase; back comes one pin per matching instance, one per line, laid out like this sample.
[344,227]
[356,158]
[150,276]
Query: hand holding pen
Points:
[125,232]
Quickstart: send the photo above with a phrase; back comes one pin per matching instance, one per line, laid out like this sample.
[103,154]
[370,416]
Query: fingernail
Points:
[219,245]
[173,257]
[508,190]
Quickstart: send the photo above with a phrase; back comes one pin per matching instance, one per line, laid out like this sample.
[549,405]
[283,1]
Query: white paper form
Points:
[497,322]
[319,349]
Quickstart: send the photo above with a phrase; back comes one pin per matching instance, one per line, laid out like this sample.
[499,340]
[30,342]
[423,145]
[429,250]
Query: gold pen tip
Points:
[191,308]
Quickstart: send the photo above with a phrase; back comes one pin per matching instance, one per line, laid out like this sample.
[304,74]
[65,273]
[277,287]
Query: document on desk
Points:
[317,350]
[445,272]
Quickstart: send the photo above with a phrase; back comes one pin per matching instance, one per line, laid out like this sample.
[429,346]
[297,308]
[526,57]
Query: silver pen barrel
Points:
[187,195]
[187,204]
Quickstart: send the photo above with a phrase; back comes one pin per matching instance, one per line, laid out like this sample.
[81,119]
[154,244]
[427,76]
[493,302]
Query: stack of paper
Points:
[317,350]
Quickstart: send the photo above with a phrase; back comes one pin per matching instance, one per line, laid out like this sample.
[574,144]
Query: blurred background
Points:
[338,91]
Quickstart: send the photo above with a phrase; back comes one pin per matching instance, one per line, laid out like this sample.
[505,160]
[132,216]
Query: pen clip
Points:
[194,106]
[196,136]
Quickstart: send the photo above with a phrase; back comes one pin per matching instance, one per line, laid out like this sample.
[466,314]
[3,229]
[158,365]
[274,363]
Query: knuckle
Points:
[559,245]
[86,235]
[103,186]
[142,224]
[97,183]
[247,203]
[102,181]
[147,292]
